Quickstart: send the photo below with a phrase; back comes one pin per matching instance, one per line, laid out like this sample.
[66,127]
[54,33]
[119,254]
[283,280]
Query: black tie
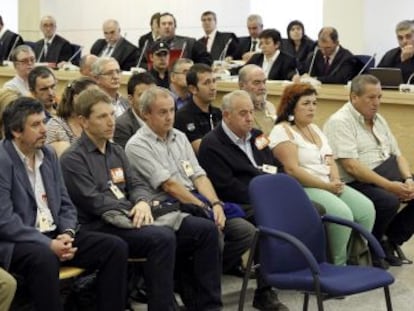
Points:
[254,43]
[326,66]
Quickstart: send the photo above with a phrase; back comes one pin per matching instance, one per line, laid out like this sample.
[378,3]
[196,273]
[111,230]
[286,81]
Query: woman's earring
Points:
[291,118]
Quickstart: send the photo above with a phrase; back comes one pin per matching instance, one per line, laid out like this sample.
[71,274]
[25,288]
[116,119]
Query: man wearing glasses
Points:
[23,59]
[107,74]
[178,82]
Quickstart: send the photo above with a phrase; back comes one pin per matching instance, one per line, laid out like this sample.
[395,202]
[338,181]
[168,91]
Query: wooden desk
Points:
[396,107]
[63,78]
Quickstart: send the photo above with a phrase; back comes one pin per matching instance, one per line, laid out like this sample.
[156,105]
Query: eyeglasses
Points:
[26,61]
[111,73]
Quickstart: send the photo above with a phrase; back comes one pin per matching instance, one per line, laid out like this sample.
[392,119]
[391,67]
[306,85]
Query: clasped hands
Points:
[63,248]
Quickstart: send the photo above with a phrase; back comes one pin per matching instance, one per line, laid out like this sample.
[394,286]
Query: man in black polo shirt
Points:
[199,117]
[160,58]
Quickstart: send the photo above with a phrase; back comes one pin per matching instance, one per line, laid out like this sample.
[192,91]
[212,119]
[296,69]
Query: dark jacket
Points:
[282,69]
[228,167]
[125,126]
[343,68]
[125,52]
[59,50]
[219,43]
[393,59]
[307,46]
[6,43]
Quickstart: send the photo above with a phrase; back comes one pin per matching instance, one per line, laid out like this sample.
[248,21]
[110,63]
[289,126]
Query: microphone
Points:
[142,53]
[40,54]
[367,64]
[75,54]
[183,49]
[224,51]
[313,59]
[407,88]
[13,46]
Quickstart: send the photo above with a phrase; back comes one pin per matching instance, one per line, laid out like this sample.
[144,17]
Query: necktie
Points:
[254,43]
[108,50]
[205,40]
[46,50]
[326,65]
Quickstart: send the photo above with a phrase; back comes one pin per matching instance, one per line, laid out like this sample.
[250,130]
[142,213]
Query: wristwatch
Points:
[218,203]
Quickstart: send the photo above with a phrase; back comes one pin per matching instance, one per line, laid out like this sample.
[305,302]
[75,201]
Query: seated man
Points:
[252,79]
[116,46]
[164,159]
[85,65]
[99,180]
[52,48]
[159,54]
[332,63]
[23,59]
[199,117]
[38,225]
[249,45]
[370,161]
[107,74]
[403,56]
[178,83]
[9,40]
[42,85]
[276,64]
[233,154]
[130,121]
[219,44]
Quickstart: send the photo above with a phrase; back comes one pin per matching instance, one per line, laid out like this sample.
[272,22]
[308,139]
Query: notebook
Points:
[390,78]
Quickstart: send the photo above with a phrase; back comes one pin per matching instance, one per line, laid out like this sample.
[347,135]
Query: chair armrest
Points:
[372,241]
[313,264]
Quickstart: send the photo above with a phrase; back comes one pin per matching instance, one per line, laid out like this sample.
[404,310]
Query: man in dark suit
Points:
[276,64]
[38,222]
[116,46]
[250,44]
[332,63]
[52,48]
[130,121]
[193,49]
[403,56]
[151,36]
[8,41]
[216,42]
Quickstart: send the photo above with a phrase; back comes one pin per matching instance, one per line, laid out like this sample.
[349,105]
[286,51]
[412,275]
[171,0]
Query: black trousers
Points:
[158,245]
[398,227]
[39,266]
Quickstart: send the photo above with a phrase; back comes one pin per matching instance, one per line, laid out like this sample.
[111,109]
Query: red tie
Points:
[326,65]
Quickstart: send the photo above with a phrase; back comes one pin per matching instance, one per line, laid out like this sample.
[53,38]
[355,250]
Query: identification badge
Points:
[269,169]
[261,142]
[188,169]
[43,223]
[117,175]
[115,190]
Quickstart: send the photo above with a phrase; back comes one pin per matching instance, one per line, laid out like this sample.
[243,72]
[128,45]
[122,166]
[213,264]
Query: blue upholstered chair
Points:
[365,62]
[292,246]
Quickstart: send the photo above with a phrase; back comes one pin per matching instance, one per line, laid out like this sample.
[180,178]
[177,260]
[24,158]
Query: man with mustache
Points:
[39,229]
[370,161]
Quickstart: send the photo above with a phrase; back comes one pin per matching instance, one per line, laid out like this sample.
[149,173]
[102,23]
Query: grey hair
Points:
[359,82]
[255,18]
[150,96]
[97,66]
[404,25]
[245,71]
[21,48]
[230,98]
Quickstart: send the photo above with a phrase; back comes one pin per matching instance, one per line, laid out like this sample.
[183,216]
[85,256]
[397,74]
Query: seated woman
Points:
[297,44]
[64,129]
[304,151]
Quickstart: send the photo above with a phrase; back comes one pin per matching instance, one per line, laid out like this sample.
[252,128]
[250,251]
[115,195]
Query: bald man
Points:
[116,46]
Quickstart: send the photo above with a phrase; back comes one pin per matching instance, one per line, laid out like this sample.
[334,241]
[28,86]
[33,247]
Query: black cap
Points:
[160,46]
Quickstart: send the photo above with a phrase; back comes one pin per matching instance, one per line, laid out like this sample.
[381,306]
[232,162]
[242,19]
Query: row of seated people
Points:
[329,63]
[201,84]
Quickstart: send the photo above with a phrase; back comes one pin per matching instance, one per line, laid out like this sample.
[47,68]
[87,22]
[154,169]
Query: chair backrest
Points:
[362,60]
[280,203]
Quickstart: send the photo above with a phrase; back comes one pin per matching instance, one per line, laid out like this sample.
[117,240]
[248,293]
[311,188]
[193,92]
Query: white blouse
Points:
[312,158]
